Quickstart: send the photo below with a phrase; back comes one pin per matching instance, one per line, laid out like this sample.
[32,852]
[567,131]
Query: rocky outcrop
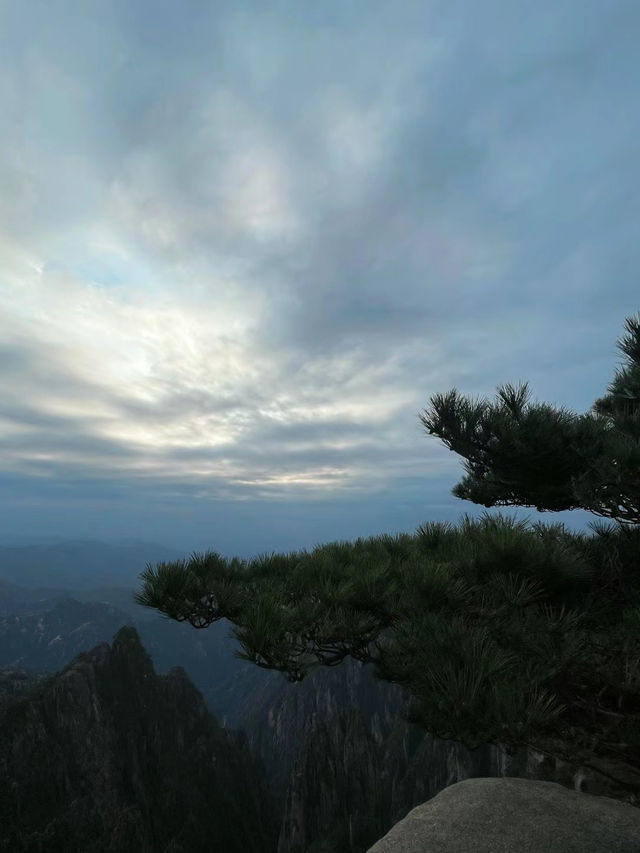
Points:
[514,816]
[108,756]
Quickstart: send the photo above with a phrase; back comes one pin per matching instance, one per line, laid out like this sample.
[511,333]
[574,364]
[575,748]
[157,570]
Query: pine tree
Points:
[534,455]
[498,631]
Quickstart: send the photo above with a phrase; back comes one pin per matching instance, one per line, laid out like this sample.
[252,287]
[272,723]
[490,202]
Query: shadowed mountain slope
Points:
[108,756]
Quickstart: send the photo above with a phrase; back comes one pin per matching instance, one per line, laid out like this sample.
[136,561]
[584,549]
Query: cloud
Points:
[242,246]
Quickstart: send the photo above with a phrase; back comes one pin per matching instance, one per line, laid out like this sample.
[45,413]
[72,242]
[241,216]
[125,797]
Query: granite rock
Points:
[511,815]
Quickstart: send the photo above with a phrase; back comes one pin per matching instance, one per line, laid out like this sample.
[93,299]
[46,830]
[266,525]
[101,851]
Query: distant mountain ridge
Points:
[21,600]
[46,634]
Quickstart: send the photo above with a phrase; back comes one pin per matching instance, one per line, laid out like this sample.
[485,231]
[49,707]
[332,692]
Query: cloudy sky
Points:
[243,243]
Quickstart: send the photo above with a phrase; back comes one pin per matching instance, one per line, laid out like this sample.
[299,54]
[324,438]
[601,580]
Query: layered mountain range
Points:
[341,762]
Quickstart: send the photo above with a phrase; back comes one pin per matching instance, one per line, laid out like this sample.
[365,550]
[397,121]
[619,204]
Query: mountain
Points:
[341,761]
[79,565]
[108,756]
[489,815]
[46,633]
[17,600]
[49,639]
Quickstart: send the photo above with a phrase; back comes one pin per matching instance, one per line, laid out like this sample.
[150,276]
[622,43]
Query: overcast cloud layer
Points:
[242,244]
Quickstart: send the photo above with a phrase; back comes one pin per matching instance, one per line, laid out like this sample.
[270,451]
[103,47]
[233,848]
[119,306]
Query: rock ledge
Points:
[510,815]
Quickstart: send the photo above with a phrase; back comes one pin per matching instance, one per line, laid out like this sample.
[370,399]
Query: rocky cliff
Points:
[346,765]
[342,763]
[15,682]
[488,815]
[108,756]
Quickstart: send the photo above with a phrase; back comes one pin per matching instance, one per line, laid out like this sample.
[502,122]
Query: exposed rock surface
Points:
[514,816]
[108,756]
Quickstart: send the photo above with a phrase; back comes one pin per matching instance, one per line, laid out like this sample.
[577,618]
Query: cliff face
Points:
[343,763]
[346,766]
[108,756]
[14,683]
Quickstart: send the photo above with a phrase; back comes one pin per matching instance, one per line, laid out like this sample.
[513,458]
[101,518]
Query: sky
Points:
[242,244]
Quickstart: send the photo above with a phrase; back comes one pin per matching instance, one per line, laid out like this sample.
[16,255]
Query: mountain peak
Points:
[129,656]
[108,755]
[128,639]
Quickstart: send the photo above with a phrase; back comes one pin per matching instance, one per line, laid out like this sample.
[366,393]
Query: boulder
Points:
[509,815]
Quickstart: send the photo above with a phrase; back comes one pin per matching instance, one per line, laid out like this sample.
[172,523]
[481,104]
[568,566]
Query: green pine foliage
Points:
[498,630]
